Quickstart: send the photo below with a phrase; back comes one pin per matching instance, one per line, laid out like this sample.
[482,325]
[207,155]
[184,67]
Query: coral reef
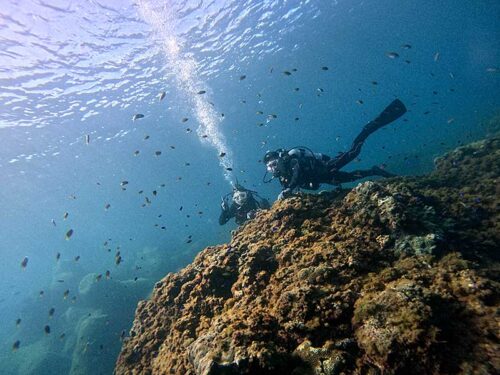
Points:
[398,276]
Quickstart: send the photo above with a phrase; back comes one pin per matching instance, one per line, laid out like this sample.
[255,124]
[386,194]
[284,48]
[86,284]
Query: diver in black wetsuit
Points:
[300,168]
[243,206]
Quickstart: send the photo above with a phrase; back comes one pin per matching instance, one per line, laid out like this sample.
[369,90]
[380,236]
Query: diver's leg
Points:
[391,113]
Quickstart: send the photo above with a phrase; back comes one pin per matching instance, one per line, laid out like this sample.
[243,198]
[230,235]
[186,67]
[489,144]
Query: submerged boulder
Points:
[398,276]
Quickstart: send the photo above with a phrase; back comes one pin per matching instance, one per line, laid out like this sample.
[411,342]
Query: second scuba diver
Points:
[242,204]
[304,169]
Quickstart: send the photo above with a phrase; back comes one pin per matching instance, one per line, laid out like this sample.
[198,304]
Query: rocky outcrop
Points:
[393,277]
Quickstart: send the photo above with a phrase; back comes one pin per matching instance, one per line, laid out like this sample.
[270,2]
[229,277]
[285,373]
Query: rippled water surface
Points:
[211,78]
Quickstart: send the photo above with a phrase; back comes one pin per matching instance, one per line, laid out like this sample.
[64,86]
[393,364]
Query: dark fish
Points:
[98,277]
[229,169]
[107,206]
[141,191]
[374,83]
[180,208]
[259,112]
[51,312]
[62,336]
[41,293]
[392,55]
[136,152]
[184,119]
[108,274]
[294,69]
[201,92]
[122,335]
[123,183]
[172,147]
[53,222]
[406,46]
[66,294]
[148,201]
[324,68]
[16,345]
[87,139]
[242,77]
[118,260]
[18,322]
[60,281]
[161,96]
[24,262]
[157,153]
[47,329]
[77,258]
[222,154]
[287,73]
[296,89]
[69,233]
[155,193]
[137,116]
[359,101]
[146,137]
[58,256]
[65,216]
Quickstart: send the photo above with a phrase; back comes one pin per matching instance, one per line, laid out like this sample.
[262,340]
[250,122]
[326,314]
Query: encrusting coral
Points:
[398,276]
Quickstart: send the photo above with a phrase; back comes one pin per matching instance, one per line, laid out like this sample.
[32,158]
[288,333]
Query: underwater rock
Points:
[398,276]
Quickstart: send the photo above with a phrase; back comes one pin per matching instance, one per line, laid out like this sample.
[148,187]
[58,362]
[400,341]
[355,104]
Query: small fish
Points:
[107,206]
[392,55]
[98,277]
[18,322]
[359,101]
[204,136]
[73,299]
[41,293]
[188,130]
[157,153]
[161,96]
[62,336]
[118,260]
[297,119]
[69,233]
[123,183]
[375,83]
[155,193]
[122,335]
[180,208]
[222,154]
[137,116]
[201,92]
[319,89]
[60,280]
[146,137]
[229,169]
[492,69]
[148,201]
[242,77]
[77,258]
[51,312]
[287,73]
[450,120]
[58,256]
[66,294]
[87,139]
[16,345]
[184,119]
[136,152]
[406,46]
[53,222]
[324,68]
[65,216]
[436,56]
[24,262]
[294,69]
[108,274]
[47,329]
[259,112]
[296,89]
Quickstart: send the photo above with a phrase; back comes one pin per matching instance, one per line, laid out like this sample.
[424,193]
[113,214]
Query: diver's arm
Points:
[226,214]
[294,180]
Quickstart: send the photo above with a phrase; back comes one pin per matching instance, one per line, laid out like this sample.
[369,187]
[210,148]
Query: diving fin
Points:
[391,113]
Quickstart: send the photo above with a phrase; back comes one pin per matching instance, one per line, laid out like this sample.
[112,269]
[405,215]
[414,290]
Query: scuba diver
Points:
[242,205]
[301,168]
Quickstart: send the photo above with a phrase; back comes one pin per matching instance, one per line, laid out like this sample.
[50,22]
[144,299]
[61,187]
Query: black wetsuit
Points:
[306,170]
[240,213]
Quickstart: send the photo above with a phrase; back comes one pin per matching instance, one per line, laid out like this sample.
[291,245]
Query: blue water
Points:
[75,68]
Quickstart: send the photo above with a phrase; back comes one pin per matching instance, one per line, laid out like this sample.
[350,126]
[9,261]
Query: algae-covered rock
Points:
[393,277]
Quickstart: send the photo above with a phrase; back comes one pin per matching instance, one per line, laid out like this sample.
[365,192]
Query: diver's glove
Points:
[285,194]
[224,205]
